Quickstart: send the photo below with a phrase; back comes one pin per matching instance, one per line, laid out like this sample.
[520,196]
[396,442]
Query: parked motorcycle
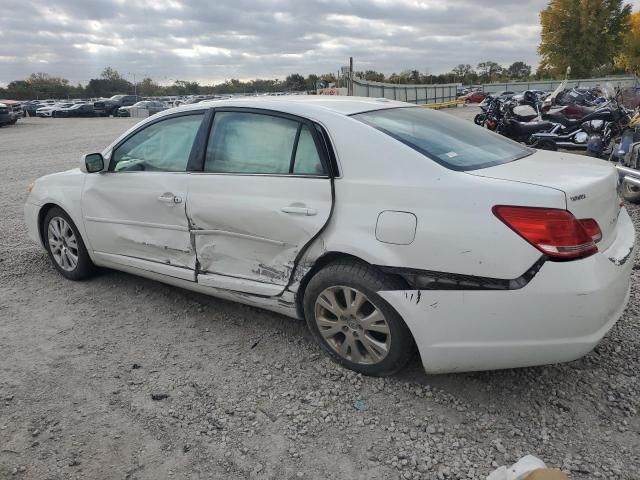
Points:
[593,132]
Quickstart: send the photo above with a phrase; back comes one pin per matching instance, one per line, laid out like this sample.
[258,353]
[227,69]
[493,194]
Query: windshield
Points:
[116,97]
[457,144]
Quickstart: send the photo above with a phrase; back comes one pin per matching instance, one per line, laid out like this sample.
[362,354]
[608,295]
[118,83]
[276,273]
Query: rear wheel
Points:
[65,246]
[352,323]
[629,192]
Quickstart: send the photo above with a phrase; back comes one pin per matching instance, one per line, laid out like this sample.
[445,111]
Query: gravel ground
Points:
[125,378]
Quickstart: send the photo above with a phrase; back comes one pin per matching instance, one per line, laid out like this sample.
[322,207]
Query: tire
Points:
[630,192]
[377,348]
[58,232]
[479,119]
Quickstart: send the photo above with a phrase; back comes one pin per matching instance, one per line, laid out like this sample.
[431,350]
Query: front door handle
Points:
[170,198]
[299,211]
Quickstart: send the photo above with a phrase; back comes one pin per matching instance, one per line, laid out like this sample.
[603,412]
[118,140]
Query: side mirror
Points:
[92,163]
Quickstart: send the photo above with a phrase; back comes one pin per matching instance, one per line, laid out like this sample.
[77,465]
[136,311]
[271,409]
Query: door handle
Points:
[170,198]
[299,211]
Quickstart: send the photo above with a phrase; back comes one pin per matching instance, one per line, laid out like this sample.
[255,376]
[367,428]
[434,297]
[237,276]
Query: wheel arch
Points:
[321,262]
[42,213]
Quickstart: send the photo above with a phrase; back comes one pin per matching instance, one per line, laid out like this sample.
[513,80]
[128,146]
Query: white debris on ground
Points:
[125,378]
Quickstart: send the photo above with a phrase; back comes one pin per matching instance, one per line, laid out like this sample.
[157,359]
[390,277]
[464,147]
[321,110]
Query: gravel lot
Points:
[243,393]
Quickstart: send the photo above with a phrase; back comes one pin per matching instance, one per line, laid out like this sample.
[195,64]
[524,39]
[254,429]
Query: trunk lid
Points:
[589,184]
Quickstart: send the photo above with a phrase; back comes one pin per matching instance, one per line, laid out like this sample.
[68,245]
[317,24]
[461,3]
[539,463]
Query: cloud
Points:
[212,41]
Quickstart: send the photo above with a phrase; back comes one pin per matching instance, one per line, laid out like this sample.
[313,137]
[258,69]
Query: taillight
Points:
[592,228]
[556,233]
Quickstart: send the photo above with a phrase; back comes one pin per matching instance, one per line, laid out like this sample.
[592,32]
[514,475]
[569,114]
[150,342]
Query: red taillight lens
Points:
[554,232]
[592,228]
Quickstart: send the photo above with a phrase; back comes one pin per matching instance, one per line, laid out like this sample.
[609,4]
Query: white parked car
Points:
[387,226]
[50,111]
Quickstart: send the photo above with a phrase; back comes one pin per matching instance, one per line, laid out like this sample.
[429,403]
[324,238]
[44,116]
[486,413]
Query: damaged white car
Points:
[387,226]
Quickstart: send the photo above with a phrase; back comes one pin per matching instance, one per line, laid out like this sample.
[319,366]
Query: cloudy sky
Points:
[210,41]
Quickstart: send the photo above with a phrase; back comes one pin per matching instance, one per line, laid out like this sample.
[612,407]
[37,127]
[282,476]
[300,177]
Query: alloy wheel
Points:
[63,243]
[352,325]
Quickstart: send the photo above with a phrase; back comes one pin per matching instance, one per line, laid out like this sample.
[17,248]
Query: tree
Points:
[629,57]
[294,82]
[462,71]
[487,70]
[373,76]
[582,34]
[148,88]
[111,74]
[39,85]
[310,82]
[519,70]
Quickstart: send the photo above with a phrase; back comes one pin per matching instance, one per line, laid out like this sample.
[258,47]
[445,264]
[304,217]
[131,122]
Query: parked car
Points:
[15,110]
[273,202]
[110,106]
[473,97]
[5,116]
[52,110]
[77,110]
[151,105]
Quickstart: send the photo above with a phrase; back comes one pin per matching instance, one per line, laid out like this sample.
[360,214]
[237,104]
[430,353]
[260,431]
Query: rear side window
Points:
[307,161]
[254,143]
[457,144]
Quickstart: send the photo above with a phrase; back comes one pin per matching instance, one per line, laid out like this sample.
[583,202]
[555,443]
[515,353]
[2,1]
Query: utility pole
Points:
[135,85]
[350,88]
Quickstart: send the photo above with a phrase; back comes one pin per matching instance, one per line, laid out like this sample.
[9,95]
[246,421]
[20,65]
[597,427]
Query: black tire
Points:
[367,280]
[630,192]
[84,267]
[479,119]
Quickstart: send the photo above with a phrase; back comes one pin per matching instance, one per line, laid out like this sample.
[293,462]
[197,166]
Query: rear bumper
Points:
[559,316]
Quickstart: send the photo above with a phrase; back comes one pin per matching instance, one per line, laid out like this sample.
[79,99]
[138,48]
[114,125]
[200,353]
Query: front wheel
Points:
[65,246]
[479,119]
[355,325]
[629,192]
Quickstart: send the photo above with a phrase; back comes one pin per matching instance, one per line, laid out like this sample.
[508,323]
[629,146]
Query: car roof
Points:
[296,104]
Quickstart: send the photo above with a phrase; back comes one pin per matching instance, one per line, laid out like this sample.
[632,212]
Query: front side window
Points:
[457,144]
[163,146]
[254,143]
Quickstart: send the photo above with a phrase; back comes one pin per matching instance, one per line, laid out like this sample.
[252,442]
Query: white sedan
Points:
[387,226]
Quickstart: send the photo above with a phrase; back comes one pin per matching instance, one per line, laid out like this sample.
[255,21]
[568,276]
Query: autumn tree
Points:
[629,57]
[582,34]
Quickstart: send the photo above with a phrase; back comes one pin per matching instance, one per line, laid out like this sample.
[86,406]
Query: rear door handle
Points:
[170,198]
[299,211]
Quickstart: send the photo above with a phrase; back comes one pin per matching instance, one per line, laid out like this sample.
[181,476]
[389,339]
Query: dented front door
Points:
[138,219]
[134,214]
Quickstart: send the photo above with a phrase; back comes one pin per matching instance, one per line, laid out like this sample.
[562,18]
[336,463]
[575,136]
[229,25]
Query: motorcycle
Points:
[627,152]
[592,132]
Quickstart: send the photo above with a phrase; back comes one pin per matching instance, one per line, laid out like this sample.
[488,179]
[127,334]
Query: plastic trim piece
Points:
[430,280]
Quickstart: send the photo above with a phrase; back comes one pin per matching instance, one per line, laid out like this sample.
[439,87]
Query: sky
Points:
[210,41]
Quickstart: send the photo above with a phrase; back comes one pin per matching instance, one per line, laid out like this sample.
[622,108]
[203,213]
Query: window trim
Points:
[197,165]
[202,112]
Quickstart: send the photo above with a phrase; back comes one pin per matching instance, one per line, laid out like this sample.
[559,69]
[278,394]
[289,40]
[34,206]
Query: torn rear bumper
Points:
[559,316]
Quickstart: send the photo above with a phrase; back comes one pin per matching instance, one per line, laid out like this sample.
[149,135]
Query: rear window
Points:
[457,144]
